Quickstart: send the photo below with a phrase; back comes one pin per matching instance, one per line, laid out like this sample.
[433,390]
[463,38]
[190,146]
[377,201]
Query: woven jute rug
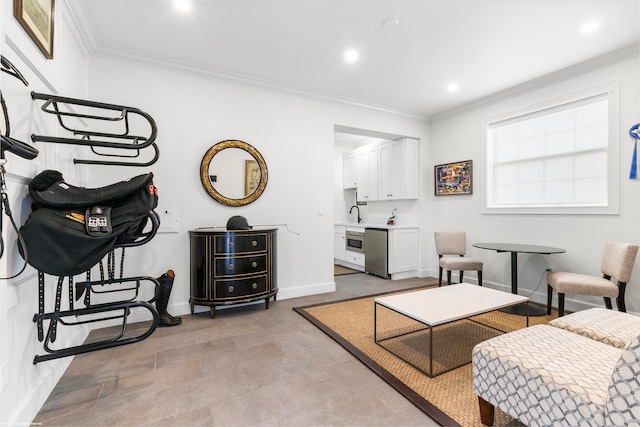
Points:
[448,398]
[339,270]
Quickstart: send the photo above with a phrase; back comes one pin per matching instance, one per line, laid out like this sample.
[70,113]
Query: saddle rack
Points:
[125,144]
[111,310]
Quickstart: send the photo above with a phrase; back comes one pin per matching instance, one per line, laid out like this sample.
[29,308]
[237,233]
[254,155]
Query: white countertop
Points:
[364,225]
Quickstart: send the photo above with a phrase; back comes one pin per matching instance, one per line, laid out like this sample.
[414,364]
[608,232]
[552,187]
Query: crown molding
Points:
[80,17]
[221,76]
[84,33]
[623,54]
[71,21]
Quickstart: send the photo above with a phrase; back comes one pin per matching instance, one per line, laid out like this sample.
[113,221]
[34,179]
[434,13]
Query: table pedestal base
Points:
[521,310]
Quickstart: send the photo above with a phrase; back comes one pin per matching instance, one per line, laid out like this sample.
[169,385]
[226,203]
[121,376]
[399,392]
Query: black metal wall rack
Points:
[127,145]
[119,309]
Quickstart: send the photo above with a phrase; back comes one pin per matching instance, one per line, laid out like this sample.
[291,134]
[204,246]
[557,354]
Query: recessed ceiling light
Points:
[453,87]
[589,27]
[351,55]
[182,6]
[390,23]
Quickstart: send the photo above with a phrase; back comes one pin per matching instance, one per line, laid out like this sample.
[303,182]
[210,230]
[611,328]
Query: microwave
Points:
[355,241]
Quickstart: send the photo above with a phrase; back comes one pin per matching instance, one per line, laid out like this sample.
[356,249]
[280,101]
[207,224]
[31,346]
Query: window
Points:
[558,158]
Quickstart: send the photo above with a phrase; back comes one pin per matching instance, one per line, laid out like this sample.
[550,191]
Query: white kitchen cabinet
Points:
[355,258]
[339,243]
[367,173]
[402,249]
[350,170]
[398,169]
[383,171]
[403,252]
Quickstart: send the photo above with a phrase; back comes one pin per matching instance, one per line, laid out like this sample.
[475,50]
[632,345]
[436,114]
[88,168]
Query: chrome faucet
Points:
[350,210]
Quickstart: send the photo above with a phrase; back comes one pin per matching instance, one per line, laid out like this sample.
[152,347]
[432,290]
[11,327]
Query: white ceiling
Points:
[297,46]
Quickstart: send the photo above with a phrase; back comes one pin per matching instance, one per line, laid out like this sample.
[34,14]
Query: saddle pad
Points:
[50,190]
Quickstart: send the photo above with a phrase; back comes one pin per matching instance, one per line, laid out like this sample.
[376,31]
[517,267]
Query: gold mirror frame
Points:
[206,182]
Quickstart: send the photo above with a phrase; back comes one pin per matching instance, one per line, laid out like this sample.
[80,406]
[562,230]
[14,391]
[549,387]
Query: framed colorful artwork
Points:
[37,18]
[454,178]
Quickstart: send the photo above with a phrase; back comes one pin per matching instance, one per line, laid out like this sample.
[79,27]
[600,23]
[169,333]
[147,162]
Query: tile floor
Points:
[247,367]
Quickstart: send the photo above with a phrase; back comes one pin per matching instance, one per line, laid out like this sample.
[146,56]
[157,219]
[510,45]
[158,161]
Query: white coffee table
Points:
[441,306]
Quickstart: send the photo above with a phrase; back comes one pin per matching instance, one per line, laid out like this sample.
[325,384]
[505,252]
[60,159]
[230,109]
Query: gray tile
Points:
[123,413]
[204,391]
[195,352]
[86,373]
[333,380]
[273,401]
[291,365]
[192,417]
[150,382]
[205,371]
[64,401]
[354,407]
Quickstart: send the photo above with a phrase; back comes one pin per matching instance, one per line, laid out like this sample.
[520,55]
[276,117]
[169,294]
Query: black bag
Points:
[70,229]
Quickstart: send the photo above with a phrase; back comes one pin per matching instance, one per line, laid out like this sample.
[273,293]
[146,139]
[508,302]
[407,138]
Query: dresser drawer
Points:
[240,288]
[229,266]
[234,243]
[232,267]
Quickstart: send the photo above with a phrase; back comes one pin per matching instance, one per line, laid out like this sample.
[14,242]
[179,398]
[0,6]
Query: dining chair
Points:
[454,243]
[617,263]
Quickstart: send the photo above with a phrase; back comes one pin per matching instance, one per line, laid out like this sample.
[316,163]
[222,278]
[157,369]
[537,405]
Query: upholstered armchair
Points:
[451,247]
[580,370]
[617,263]
[546,376]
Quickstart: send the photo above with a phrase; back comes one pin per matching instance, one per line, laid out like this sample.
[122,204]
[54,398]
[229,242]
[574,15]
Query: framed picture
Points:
[251,176]
[454,178]
[36,17]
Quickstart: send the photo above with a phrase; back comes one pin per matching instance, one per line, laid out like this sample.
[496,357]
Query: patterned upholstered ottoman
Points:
[608,326]
[546,376]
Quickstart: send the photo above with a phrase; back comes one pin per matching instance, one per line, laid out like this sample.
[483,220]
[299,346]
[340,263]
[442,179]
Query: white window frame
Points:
[608,90]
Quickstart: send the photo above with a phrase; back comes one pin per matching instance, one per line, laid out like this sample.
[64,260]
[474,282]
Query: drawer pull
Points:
[230,244]
[230,266]
[254,286]
[230,289]
[254,264]
[254,243]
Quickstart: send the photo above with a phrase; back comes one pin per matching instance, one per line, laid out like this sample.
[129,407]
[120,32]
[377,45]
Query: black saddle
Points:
[70,229]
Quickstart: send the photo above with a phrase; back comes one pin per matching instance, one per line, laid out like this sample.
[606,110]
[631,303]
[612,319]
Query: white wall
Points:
[462,136]
[295,136]
[23,386]
[296,139]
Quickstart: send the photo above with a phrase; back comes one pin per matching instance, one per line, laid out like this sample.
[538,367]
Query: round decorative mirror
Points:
[233,173]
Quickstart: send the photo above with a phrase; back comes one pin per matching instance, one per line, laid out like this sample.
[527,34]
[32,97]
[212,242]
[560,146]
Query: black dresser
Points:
[232,267]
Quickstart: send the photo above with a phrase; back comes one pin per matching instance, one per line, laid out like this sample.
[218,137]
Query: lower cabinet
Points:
[356,258]
[232,267]
[403,252]
[339,243]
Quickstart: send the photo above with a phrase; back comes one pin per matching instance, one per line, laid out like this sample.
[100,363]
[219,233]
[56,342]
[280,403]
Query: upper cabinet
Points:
[398,169]
[383,171]
[350,170]
[367,174]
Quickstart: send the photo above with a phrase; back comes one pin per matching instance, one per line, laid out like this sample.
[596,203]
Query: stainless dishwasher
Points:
[376,252]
